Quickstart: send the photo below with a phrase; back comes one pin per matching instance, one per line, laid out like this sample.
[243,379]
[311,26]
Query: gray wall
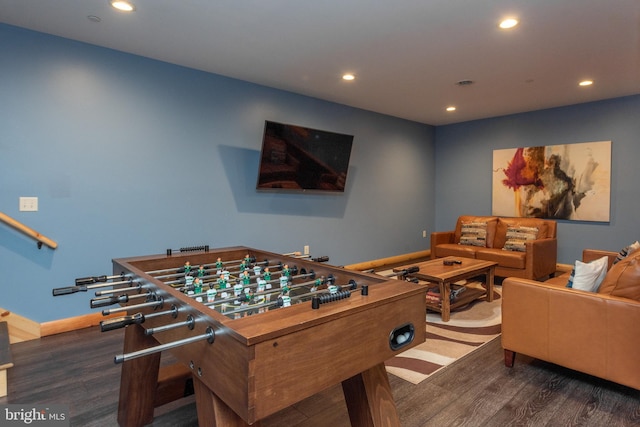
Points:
[464,163]
[130,156]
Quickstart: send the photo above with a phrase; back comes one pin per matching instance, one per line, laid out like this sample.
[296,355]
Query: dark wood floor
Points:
[76,369]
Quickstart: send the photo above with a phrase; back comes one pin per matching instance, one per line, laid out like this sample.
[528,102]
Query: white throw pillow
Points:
[587,276]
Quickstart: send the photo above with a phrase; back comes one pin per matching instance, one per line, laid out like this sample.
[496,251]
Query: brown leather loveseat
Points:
[522,247]
[592,332]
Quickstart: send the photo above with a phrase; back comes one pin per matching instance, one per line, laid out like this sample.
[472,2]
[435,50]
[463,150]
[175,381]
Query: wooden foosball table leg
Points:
[369,399]
[138,380]
[213,412]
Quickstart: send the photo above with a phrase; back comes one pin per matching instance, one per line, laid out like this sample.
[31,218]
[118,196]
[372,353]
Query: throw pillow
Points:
[517,235]
[473,234]
[628,285]
[623,279]
[587,276]
[624,252]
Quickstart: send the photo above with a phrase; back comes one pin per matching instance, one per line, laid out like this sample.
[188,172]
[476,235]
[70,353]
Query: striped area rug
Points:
[468,329]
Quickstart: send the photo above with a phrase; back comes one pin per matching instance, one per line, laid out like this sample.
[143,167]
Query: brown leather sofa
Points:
[592,332]
[537,259]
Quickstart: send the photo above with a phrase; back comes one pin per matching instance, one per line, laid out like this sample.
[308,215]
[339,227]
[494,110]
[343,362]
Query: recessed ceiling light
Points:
[122,5]
[348,76]
[586,83]
[452,108]
[505,24]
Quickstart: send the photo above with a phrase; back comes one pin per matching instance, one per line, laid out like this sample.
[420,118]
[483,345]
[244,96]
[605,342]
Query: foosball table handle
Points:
[121,322]
[69,290]
[106,301]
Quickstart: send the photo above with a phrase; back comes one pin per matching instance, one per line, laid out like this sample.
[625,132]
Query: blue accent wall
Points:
[130,156]
[464,158]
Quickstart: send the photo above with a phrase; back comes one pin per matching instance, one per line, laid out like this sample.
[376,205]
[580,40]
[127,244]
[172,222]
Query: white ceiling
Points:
[407,55]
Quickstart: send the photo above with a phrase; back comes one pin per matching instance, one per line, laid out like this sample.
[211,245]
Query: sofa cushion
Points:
[558,281]
[517,235]
[510,259]
[491,221]
[454,249]
[626,251]
[473,234]
[504,223]
[623,279]
[587,276]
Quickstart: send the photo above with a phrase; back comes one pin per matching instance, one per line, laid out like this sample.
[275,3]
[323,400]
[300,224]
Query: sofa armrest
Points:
[584,331]
[441,237]
[589,255]
[542,256]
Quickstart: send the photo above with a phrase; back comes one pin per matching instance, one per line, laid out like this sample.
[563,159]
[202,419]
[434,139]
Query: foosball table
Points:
[257,331]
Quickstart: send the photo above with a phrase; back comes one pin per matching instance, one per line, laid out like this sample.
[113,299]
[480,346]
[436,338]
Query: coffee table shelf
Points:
[469,295]
[439,271]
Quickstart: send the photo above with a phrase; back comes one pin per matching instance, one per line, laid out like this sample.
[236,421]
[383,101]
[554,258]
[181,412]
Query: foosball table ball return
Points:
[257,331]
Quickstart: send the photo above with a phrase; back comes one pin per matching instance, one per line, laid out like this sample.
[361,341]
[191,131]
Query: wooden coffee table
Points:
[436,271]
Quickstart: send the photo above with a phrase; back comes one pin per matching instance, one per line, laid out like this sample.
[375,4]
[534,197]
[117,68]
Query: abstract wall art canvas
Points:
[569,181]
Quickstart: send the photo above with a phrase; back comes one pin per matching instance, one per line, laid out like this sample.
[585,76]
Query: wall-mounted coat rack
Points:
[28,231]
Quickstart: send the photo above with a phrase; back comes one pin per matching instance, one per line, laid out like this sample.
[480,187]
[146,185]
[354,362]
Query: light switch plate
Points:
[28,204]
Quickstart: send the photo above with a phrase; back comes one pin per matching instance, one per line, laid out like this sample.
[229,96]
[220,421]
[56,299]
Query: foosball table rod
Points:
[104,301]
[134,319]
[209,335]
[84,288]
[156,303]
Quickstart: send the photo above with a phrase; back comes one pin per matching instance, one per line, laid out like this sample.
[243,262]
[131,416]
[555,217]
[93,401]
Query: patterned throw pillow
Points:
[517,235]
[473,234]
[624,252]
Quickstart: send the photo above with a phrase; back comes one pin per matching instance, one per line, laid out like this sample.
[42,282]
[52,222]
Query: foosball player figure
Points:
[222,282]
[237,289]
[247,259]
[267,274]
[188,285]
[246,278]
[248,296]
[188,281]
[256,270]
[284,284]
[285,270]
[187,268]
[219,265]
[261,285]
[248,299]
[211,294]
[197,285]
[284,300]
[316,284]
[202,271]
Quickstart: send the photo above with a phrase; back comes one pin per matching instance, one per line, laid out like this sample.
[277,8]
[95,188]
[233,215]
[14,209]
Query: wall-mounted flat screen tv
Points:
[296,158]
